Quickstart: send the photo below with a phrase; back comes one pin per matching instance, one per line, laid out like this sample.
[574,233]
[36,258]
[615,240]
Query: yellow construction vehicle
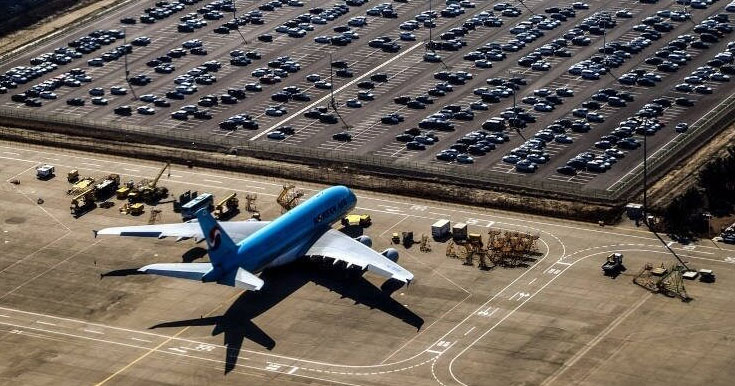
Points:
[149,191]
[81,186]
[289,197]
[133,209]
[474,238]
[82,202]
[352,220]
[73,176]
[230,202]
[122,193]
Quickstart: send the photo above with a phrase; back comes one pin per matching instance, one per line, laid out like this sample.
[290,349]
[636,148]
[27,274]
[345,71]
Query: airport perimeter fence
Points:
[466,175]
[682,146]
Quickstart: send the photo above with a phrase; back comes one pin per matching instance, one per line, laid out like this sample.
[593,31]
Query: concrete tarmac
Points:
[73,311]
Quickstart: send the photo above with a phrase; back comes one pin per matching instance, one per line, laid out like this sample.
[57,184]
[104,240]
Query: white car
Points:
[47,95]
[277,135]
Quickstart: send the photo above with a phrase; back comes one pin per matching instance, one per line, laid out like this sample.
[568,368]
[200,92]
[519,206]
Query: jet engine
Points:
[365,240]
[391,253]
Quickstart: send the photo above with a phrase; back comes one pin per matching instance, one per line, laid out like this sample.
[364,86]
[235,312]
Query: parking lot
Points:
[588,80]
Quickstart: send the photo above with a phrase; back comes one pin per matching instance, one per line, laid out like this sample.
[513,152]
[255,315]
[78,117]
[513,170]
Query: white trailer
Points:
[440,229]
[45,171]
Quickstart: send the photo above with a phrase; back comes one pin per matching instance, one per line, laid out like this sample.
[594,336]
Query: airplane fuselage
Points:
[290,236]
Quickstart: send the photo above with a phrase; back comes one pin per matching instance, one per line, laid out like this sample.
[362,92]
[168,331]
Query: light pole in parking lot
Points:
[237,24]
[127,72]
[332,101]
[514,121]
[645,171]
[431,21]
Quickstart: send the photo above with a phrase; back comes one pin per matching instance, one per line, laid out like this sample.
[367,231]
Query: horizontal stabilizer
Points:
[247,281]
[191,271]
[195,271]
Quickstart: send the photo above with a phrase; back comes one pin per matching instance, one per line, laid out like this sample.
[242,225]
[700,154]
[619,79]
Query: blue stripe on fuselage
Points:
[295,230]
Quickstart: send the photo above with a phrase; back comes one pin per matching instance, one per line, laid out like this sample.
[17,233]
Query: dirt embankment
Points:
[684,175]
[51,17]
[374,181]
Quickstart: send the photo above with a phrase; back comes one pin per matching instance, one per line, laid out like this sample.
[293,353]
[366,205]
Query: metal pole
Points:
[645,172]
[431,21]
[127,72]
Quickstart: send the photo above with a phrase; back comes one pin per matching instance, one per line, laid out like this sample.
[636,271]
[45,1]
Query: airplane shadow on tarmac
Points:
[236,323]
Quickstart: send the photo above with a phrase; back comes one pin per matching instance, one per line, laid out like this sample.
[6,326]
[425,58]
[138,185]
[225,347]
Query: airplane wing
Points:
[195,271]
[238,230]
[339,246]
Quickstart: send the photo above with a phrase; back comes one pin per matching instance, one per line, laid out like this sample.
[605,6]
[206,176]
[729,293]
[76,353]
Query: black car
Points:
[160,102]
[344,73]
[280,97]
[342,136]
[202,114]
[339,64]
[19,97]
[228,125]
[75,102]
[684,102]
[174,95]
[237,93]
[228,99]
[566,170]
[123,110]
[33,102]
[402,100]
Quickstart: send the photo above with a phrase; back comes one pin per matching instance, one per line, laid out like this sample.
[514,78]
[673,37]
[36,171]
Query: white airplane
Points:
[240,249]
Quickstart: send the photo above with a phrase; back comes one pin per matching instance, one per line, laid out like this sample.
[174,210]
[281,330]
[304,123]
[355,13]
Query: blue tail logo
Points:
[215,238]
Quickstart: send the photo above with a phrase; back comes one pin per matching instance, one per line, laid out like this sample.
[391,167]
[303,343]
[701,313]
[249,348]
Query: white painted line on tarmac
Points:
[91,164]
[94,331]
[46,323]
[177,349]
[440,214]
[293,370]
[213,181]
[140,340]
[531,282]
[470,330]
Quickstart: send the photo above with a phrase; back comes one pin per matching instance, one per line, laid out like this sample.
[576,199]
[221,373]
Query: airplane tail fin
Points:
[221,247]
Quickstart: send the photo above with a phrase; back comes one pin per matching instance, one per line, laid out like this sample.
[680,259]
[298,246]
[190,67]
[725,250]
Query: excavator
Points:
[147,191]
